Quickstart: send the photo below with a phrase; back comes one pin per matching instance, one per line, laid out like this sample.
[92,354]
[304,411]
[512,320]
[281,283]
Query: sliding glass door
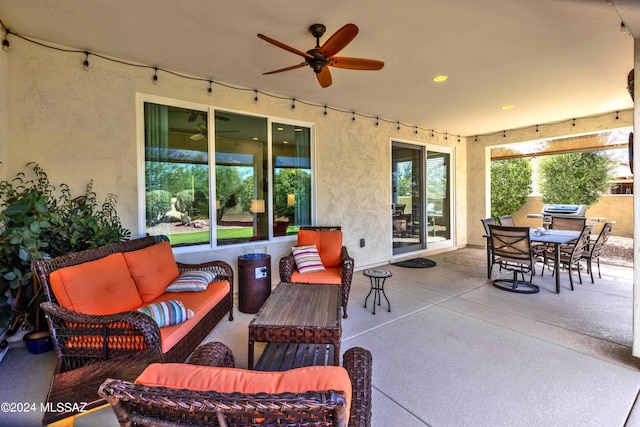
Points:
[421,201]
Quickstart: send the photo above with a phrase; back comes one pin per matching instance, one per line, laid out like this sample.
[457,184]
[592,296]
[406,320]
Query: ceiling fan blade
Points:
[324,77]
[285,47]
[339,40]
[293,67]
[355,63]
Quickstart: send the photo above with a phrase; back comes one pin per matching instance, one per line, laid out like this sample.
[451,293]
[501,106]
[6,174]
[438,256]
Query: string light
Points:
[5,41]
[6,47]
[85,64]
[574,123]
[353,117]
[446,136]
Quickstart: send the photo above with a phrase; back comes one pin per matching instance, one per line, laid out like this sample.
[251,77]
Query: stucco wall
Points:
[81,125]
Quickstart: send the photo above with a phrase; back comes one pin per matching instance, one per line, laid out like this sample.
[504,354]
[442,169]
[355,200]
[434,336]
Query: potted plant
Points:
[39,220]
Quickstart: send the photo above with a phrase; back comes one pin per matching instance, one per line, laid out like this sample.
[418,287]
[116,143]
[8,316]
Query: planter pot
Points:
[38,342]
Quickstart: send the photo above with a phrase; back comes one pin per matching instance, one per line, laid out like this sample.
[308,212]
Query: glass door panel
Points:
[438,197]
[407,178]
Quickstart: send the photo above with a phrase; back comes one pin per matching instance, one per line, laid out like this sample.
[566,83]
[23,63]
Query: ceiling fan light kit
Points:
[322,57]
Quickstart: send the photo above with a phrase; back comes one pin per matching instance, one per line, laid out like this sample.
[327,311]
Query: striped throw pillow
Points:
[307,259]
[192,281]
[167,313]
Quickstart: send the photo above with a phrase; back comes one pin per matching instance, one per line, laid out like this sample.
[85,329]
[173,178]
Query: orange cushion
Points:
[103,286]
[329,244]
[153,269]
[200,302]
[329,275]
[229,380]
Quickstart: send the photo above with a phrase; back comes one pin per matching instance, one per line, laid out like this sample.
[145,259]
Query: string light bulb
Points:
[5,43]
[293,104]
[256,98]
[85,64]
[155,76]
[210,90]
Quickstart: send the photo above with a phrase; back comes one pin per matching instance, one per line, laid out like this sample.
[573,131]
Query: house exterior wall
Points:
[81,125]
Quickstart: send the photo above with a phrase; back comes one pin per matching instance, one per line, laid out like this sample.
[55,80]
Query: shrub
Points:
[158,203]
[510,185]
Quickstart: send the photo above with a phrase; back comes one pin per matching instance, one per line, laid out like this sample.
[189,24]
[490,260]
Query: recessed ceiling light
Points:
[285,142]
[280,128]
[298,129]
[507,107]
[440,78]
[255,138]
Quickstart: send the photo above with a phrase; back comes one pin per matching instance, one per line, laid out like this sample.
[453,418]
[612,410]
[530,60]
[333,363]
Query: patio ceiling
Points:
[551,59]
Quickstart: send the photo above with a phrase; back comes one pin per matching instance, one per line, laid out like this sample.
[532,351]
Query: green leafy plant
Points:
[574,178]
[510,185]
[39,220]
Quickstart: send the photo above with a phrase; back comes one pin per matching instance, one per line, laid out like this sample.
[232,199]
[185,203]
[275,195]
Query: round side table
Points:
[377,278]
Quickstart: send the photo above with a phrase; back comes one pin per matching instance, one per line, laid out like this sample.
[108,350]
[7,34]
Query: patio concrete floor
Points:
[455,351]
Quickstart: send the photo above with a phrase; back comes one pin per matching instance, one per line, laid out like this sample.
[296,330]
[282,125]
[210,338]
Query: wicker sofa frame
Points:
[288,265]
[122,333]
[140,405]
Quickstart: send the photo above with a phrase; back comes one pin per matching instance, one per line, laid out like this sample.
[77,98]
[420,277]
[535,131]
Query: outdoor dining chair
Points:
[595,248]
[567,223]
[512,252]
[571,254]
[507,221]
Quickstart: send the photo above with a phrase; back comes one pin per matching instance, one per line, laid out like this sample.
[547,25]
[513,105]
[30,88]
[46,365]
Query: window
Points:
[256,186]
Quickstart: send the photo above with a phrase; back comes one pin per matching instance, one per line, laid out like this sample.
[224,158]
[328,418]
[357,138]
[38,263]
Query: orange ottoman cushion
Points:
[103,286]
[230,380]
[329,244]
[153,269]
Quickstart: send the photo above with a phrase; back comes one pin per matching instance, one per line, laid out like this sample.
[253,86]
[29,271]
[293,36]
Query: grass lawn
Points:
[222,234]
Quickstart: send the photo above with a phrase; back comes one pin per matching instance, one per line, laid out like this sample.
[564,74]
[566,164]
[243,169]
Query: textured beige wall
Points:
[81,125]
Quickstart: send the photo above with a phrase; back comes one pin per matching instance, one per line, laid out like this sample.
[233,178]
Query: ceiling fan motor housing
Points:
[318,62]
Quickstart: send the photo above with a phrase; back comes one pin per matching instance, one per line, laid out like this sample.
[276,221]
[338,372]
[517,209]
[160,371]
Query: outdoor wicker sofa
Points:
[334,256]
[143,404]
[83,339]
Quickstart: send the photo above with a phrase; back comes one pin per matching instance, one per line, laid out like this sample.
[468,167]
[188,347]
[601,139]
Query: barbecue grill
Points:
[564,211]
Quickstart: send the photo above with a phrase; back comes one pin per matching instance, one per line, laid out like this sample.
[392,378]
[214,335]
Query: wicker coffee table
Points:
[299,313]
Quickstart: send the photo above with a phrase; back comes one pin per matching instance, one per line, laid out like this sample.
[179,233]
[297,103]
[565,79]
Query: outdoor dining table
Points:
[557,238]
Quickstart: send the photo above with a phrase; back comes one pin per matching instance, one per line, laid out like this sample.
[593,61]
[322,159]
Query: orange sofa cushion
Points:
[329,244]
[230,380]
[328,275]
[103,286]
[200,302]
[153,269]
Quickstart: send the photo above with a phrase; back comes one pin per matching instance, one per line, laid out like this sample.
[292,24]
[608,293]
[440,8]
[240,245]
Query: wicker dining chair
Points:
[512,252]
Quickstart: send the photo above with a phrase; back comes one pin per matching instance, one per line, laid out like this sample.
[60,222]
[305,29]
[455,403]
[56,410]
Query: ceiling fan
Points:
[202,132]
[322,57]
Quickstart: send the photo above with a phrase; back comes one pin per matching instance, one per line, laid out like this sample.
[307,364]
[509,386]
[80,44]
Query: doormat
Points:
[416,263]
